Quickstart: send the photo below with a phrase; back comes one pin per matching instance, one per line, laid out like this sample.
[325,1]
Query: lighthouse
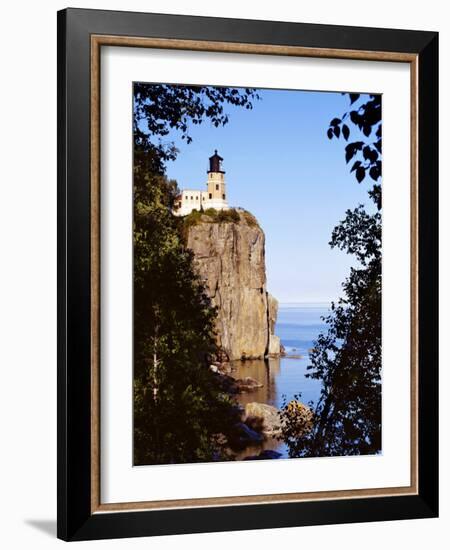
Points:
[215,195]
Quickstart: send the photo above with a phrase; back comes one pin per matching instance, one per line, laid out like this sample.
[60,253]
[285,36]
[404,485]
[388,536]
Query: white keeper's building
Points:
[214,197]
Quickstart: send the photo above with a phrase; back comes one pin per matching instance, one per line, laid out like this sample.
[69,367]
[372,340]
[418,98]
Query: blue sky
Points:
[281,166]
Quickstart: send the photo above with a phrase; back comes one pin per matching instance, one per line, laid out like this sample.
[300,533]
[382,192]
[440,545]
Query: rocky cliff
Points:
[230,257]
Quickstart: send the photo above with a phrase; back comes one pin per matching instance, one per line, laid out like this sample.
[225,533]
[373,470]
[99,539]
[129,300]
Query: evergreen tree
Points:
[179,406]
[180,410]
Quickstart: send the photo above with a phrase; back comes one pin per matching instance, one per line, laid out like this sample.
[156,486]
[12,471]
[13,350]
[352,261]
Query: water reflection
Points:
[284,378]
[265,372]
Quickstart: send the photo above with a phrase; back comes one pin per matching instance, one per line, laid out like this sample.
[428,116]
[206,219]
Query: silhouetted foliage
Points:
[347,358]
[180,407]
[160,108]
[365,152]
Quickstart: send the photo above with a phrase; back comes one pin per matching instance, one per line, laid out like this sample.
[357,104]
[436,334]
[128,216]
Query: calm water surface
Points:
[298,327]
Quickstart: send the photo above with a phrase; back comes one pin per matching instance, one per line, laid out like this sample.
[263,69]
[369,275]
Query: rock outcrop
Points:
[274,347]
[229,255]
[264,418]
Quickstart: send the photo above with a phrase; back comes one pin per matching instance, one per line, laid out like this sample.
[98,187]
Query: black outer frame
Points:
[75,521]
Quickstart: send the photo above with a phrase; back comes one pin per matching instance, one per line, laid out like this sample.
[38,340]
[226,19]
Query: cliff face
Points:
[230,258]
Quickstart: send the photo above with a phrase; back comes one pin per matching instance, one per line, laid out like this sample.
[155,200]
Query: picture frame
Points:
[81,35]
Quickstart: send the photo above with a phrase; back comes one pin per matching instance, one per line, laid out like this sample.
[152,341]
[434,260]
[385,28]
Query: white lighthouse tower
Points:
[217,193]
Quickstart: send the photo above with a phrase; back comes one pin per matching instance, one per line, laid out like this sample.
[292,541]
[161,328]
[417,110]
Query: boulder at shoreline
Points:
[264,418]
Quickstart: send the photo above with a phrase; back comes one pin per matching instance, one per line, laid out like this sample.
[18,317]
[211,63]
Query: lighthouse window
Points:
[196,198]
[192,198]
[210,195]
[223,196]
[217,186]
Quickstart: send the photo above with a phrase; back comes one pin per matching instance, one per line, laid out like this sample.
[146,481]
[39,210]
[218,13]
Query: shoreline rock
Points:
[264,418]
[274,349]
[247,384]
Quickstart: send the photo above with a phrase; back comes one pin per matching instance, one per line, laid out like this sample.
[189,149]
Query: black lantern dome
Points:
[215,163]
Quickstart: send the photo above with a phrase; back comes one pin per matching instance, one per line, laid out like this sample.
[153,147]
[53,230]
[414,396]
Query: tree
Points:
[365,151]
[180,409]
[347,357]
[160,108]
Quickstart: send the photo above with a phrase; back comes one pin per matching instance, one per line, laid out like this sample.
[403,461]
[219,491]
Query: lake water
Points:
[298,326]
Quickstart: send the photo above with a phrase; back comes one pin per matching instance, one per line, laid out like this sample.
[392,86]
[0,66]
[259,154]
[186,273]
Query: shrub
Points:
[250,219]
[192,219]
[211,212]
[231,215]
[216,216]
